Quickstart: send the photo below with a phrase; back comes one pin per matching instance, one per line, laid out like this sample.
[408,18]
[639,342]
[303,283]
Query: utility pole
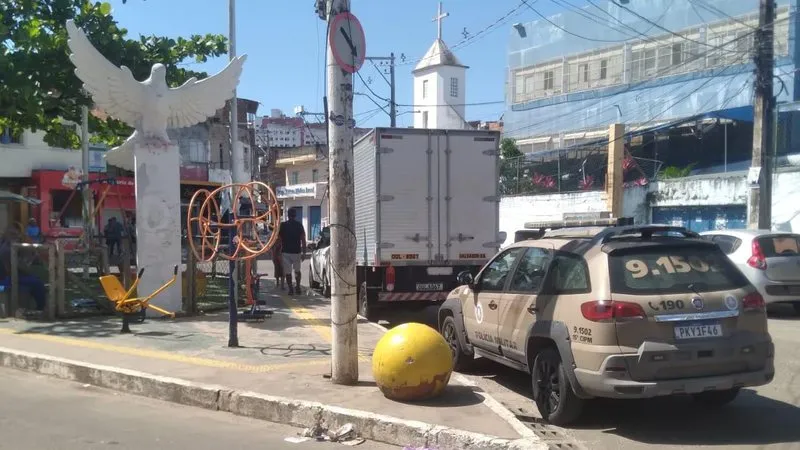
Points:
[393,106]
[86,193]
[759,205]
[392,99]
[237,172]
[344,314]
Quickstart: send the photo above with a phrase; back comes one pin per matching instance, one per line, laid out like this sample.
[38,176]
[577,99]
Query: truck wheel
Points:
[363,304]
[552,390]
[461,359]
[716,399]
[311,283]
[326,286]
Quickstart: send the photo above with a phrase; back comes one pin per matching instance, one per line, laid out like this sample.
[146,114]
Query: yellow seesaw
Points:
[126,304]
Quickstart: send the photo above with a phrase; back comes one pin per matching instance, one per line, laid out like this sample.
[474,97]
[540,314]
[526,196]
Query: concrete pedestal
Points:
[158,224]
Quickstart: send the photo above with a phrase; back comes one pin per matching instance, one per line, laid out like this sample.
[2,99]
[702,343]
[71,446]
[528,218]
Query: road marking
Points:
[166,356]
[490,402]
[320,326]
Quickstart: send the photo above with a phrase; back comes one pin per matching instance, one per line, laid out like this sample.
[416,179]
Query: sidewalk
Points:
[285,356]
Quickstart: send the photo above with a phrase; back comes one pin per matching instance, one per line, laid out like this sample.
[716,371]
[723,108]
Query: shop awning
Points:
[8,196]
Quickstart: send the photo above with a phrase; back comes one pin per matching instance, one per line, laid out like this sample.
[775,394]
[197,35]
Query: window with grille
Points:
[549,80]
[453,87]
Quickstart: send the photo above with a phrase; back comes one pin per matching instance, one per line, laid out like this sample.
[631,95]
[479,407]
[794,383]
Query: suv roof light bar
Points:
[558,224]
[646,232]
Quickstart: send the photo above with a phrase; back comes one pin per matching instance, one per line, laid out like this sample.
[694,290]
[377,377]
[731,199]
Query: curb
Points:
[298,413]
[490,402]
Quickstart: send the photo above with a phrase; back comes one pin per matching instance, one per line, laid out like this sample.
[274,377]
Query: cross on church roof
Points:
[438,19]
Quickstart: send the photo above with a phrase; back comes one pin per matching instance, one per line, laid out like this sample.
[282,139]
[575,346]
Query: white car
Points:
[769,259]
[318,277]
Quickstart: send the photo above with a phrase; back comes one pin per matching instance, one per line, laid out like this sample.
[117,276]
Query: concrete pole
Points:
[86,193]
[237,172]
[344,315]
[759,202]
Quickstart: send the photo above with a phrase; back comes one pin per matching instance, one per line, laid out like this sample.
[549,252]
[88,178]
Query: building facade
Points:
[644,63]
[306,186]
[440,88]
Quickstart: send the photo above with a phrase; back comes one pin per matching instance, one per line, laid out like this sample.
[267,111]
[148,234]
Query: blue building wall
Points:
[658,99]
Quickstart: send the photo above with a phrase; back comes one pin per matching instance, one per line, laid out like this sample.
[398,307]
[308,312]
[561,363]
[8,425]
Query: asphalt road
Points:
[40,413]
[767,417]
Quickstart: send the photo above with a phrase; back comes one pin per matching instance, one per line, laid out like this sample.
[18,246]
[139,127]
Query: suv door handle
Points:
[533,309]
[492,305]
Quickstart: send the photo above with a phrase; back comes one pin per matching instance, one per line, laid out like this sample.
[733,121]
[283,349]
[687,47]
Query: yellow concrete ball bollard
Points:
[412,362]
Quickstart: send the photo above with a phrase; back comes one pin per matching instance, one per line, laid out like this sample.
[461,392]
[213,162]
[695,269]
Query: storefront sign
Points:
[97,160]
[297,190]
[72,177]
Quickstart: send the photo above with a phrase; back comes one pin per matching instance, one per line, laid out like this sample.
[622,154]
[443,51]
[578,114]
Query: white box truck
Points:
[427,207]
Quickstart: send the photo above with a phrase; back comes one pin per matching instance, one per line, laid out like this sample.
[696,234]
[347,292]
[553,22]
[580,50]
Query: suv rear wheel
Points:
[552,390]
[461,359]
[716,399]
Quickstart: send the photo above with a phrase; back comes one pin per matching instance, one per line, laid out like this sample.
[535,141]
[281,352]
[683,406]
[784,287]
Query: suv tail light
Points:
[608,310]
[754,302]
[758,260]
[389,277]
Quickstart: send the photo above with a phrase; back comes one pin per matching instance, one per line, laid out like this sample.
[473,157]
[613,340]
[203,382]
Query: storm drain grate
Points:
[565,446]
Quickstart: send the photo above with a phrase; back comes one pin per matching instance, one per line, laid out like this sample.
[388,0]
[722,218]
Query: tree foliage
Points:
[38,86]
[510,175]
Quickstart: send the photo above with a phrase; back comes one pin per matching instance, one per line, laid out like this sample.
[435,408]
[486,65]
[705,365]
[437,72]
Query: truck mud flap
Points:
[412,296]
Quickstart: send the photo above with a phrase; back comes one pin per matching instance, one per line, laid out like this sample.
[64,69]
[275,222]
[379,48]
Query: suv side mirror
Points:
[465,278]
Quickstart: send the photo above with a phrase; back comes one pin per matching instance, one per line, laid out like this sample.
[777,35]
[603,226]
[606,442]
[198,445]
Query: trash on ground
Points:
[296,440]
[346,434]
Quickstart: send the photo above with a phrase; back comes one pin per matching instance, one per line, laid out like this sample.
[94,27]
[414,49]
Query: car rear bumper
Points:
[614,381]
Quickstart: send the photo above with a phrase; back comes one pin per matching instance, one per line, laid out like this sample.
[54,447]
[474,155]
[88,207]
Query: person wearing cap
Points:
[293,245]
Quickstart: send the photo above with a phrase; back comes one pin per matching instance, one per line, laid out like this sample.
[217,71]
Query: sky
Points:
[284,43]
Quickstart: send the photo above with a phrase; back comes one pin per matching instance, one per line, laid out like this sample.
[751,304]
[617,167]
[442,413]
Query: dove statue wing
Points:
[195,101]
[112,88]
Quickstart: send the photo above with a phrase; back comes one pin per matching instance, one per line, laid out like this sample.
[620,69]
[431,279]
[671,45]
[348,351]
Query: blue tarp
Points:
[740,114]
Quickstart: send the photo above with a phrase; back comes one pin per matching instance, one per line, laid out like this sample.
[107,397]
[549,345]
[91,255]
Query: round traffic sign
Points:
[346,38]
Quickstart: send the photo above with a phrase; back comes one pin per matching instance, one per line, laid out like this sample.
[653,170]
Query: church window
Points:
[424,88]
[453,87]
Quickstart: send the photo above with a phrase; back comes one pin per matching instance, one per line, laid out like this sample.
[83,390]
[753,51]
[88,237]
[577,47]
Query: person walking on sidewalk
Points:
[277,263]
[293,243]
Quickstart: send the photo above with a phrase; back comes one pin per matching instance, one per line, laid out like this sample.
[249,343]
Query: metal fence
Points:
[553,172]
[206,284]
[32,286]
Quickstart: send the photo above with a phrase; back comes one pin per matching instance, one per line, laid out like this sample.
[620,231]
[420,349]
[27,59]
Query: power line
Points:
[640,33]
[714,10]
[678,35]
[479,35]
[643,82]
[441,105]
[629,88]
[543,17]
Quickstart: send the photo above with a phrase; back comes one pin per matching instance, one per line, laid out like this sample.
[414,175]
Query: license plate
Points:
[430,286]
[698,331]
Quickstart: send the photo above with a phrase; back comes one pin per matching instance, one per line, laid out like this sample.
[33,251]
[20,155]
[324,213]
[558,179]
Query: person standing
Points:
[113,231]
[293,245]
[26,280]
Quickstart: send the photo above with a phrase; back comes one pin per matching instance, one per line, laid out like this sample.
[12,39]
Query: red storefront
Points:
[60,213]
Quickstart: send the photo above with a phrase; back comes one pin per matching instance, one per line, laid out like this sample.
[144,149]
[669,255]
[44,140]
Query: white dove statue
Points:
[150,106]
